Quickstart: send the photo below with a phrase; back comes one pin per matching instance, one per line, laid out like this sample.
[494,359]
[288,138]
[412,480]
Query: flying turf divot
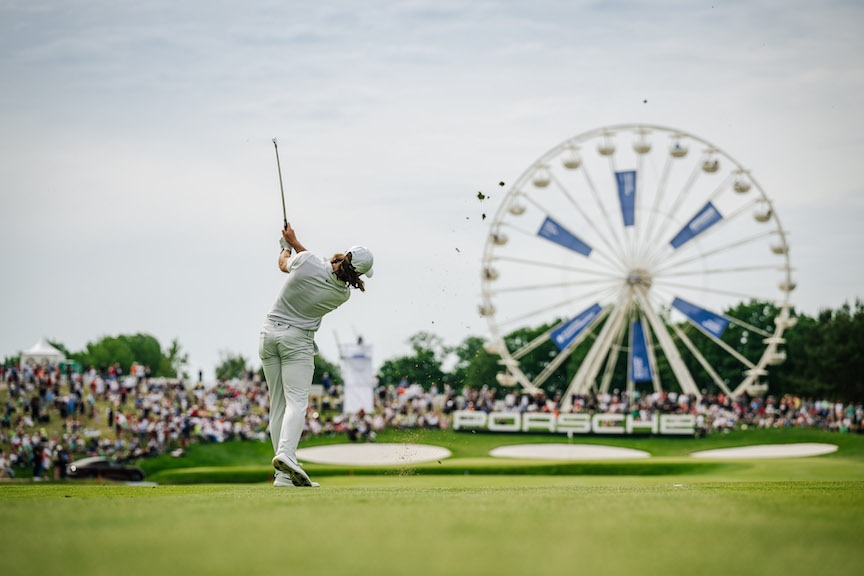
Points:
[567,452]
[768,451]
[373,454]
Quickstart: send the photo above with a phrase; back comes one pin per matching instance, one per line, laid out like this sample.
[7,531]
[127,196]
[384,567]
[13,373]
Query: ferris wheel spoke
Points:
[585,217]
[661,231]
[612,232]
[518,229]
[568,350]
[658,197]
[670,296]
[587,373]
[530,287]
[541,339]
[535,236]
[731,351]
[555,266]
[722,187]
[638,225]
[633,235]
[612,359]
[700,358]
[631,385]
[719,250]
[712,335]
[747,326]
[571,242]
[626,237]
[652,357]
[691,287]
[704,233]
[673,356]
[730,270]
[599,294]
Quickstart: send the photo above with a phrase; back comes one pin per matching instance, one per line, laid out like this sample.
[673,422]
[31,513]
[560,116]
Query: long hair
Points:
[345,271]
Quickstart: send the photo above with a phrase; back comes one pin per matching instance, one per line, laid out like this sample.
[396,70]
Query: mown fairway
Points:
[466,515]
[437,525]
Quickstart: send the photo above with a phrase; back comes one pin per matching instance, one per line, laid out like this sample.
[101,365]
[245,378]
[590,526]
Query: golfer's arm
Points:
[283,260]
[285,254]
[297,246]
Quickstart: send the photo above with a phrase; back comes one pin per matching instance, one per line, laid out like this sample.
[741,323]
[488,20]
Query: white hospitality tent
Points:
[42,353]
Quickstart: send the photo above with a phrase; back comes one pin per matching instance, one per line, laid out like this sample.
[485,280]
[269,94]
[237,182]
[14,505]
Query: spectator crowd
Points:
[410,406]
[104,412]
[118,416]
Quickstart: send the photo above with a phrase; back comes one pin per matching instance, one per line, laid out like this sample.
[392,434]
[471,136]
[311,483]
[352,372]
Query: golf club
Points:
[281,189]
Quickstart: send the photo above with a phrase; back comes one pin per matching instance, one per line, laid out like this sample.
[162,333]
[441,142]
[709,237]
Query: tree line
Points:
[825,356]
[172,361]
[125,350]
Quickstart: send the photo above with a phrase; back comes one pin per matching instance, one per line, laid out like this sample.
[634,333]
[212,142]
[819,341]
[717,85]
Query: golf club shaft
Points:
[281,189]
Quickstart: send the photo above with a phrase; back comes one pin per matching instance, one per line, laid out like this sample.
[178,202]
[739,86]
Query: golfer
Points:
[286,346]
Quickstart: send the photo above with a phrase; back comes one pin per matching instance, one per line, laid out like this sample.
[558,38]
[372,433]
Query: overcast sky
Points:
[138,186]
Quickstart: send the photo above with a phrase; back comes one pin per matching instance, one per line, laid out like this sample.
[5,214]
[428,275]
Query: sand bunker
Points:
[567,452]
[768,451]
[372,454]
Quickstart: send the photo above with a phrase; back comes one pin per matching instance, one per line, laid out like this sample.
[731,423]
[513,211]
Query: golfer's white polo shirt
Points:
[311,291]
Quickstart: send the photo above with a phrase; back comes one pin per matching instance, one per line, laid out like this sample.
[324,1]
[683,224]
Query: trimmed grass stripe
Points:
[437,525]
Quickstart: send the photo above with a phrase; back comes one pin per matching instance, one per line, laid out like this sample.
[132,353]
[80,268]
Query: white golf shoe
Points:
[282,480]
[293,471]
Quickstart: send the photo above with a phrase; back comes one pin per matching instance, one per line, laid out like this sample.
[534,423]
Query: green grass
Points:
[437,525]
[470,514]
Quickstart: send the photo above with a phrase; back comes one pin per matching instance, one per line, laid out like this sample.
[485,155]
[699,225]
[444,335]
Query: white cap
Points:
[361,259]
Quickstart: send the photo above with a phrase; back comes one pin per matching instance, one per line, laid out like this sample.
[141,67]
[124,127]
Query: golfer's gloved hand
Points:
[284,244]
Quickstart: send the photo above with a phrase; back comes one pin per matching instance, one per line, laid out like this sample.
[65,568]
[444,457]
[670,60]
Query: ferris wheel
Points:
[625,244]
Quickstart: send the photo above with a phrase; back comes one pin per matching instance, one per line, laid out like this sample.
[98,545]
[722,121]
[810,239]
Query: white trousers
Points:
[287,355]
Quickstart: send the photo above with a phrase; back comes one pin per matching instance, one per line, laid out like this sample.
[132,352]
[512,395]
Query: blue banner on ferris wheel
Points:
[567,332]
[640,367]
[704,219]
[712,323]
[627,195]
[554,232]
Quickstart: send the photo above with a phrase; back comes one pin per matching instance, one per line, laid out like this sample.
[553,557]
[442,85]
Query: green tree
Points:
[474,366]
[824,358]
[801,373]
[323,365]
[59,346]
[123,350]
[146,350]
[230,366]
[422,367]
[174,361]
